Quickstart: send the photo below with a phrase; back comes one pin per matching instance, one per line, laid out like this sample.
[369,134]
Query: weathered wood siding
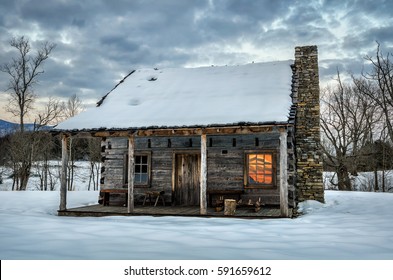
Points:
[225,162]
[187,179]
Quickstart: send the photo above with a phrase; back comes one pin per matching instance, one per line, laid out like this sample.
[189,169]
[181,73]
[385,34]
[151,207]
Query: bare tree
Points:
[73,107]
[347,119]
[94,146]
[28,146]
[382,76]
[20,158]
[382,159]
[43,143]
[51,114]
[24,71]
[44,146]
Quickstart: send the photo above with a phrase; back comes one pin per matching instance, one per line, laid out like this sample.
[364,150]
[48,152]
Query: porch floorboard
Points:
[99,210]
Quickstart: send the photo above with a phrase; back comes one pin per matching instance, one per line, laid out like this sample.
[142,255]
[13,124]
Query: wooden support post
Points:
[63,179]
[203,180]
[283,174]
[131,174]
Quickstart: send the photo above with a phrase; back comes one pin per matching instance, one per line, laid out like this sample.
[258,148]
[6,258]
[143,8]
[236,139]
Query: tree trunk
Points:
[91,176]
[21,121]
[344,183]
[24,174]
[97,177]
[13,183]
[46,170]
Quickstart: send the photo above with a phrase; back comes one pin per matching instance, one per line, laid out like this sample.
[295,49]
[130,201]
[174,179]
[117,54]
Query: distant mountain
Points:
[9,127]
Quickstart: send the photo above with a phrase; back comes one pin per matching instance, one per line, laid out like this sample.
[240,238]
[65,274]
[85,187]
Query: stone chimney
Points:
[305,95]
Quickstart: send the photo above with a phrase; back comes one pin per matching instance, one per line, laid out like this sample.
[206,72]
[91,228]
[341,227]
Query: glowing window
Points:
[260,169]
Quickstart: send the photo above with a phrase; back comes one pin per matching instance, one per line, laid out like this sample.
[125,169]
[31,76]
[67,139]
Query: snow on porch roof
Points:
[189,97]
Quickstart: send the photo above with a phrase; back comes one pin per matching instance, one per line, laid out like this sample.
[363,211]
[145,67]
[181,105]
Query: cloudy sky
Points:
[98,42]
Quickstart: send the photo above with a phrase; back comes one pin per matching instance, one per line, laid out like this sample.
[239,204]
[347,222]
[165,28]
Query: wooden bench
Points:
[105,195]
[224,193]
[154,194]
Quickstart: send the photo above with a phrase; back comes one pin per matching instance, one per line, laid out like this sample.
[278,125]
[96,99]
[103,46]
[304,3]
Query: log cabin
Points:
[197,136]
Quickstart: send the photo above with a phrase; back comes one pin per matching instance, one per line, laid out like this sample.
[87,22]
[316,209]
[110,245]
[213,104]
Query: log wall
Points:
[225,163]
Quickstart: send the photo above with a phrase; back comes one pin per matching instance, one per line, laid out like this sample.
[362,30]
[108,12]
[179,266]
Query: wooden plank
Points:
[203,180]
[114,191]
[283,175]
[173,183]
[225,171]
[131,174]
[113,143]
[99,210]
[115,133]
[207,130]
[63,182]
[182,131]
[187,178]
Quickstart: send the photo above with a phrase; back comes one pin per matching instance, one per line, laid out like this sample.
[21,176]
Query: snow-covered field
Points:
[351,225]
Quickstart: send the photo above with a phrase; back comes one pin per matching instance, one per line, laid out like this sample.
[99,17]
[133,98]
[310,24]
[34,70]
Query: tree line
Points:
[357,123]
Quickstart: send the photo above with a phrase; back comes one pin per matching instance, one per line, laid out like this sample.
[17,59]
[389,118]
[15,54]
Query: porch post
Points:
[283,174]
[63,179]
[203,180]
[131,174]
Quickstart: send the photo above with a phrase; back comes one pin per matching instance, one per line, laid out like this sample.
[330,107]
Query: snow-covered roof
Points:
[178,97]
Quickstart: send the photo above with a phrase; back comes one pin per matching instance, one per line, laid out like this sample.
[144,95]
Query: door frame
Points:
[174,169]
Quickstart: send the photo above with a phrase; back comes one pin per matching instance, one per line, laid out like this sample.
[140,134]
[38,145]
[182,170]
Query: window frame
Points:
[125,169]
[253,185]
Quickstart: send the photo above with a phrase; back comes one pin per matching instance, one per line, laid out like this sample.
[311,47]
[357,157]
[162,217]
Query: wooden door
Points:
[188,171]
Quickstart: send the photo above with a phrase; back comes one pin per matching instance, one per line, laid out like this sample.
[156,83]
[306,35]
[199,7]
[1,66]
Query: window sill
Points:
[141,185]
[138,186]
[270,187]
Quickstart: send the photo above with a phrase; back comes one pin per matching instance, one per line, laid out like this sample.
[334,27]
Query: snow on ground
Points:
[350,225]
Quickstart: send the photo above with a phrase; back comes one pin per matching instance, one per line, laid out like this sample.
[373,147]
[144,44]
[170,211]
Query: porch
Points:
[182,170]
[99,210]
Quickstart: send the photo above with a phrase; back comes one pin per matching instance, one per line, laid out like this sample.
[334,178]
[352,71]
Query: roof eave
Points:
[235,128]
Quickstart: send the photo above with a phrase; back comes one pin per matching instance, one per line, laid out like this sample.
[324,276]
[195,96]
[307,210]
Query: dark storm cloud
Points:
[52,14]
[261,10]
[98,42]
[119,44]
